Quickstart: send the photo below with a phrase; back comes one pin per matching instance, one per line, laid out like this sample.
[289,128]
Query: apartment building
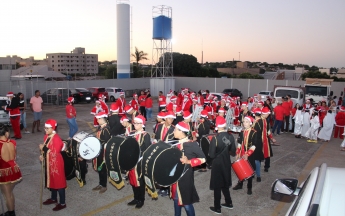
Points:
[74,62]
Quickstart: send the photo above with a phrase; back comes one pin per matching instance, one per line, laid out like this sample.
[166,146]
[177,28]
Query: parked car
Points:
[58,96]
[4,117]
[233,92]
[322,193]
[219,95]
[266,94]
[96,91]
[81,95]
[113,93]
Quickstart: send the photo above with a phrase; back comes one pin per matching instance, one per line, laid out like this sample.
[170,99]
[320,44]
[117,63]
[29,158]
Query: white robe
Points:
[343,143]
[314,128]
[298,122]
[327,129]
[306,123]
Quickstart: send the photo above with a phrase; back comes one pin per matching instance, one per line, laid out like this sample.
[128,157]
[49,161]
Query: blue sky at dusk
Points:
[309,31]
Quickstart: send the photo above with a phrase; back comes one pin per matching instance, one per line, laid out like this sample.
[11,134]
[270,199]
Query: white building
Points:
[75,62]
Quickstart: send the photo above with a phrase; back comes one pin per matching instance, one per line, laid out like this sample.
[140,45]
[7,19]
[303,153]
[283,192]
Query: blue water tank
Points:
[162,28]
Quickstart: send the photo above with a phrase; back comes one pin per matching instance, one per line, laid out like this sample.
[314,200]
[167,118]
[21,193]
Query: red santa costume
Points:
[134,102]
[121,103]
[186,103]
[170,106]
[340,123]
[95,110]
[9,170]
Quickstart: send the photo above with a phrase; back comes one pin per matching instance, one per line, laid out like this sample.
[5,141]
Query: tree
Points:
[138,56]
[111,72]
[186,65]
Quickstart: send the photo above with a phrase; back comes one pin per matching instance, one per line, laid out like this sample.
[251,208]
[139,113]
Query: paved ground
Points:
[294,158]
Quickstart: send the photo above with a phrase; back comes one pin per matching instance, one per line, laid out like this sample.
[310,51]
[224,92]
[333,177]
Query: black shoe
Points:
[214,210]
[228,206]
[266,169]
[249,191]
[133,202]
[238,186]
[258,179]
[209,167]
[139,204]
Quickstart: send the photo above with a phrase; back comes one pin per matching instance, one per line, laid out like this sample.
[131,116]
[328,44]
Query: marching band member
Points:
[160,120]
[314,127]
[179,116]
[165,132]
[95,110]
[127,125]
[131,112]
[134,102]
[137,182]
[103,134]
[121,103]
[203,128]
[220,147]
[245,149]
[9,170]
[114,120]
[259,128]
[53,165]
[187,118]
[183,192]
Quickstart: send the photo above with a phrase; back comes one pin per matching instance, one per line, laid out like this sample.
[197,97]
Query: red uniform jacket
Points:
[121,103]
[279,112]
[135,104]
[340,119]
[142,100]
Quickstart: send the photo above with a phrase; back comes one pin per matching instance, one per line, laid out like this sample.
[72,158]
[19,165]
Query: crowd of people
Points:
[185,117]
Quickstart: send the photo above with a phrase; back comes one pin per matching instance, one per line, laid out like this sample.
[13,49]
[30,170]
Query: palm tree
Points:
[138,56]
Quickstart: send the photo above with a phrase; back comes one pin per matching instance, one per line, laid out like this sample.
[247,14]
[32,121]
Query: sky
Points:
[308,32]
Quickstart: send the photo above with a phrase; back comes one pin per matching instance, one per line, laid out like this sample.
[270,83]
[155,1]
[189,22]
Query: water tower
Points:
[162,61]
[123,39]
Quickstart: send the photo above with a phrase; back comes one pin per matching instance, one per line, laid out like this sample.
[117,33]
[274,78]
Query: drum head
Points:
[168,168]
[129,153]
[80,136]
[89,148]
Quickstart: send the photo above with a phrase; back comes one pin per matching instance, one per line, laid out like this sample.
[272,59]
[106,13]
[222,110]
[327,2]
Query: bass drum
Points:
[205,146]
[161,165]
[68,163]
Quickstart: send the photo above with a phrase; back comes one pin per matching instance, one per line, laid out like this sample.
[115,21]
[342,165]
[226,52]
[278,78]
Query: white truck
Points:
[318,89]
[297,93]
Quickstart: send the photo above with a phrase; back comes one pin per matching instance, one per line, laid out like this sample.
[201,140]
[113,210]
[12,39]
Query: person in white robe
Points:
[306,122]
[298,117]
[314,127]
[342,145]
[327,129]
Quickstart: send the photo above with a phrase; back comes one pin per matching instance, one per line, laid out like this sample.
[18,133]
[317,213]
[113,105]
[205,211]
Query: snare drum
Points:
[90,148]
[242,169]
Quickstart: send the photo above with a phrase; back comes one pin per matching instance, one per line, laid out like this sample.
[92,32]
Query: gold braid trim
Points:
[152,195]
[118,186]
[9,171]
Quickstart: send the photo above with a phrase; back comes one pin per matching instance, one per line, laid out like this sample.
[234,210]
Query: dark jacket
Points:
[116,127]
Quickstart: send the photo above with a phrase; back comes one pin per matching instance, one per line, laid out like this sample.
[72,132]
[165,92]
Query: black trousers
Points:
[143,111]
[287,123]
[83,169]
[103,176]
[293,125]
[139,192]
[218,196]
[267,162]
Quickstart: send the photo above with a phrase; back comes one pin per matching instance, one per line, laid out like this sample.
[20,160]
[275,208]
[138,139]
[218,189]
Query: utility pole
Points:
[239,56]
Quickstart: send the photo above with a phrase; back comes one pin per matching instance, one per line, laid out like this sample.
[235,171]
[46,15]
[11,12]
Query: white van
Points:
[4,117]
[114,93]
[297,93]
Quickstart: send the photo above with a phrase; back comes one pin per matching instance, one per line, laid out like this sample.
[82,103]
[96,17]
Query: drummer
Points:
[203,128]
[137,182]
[183,192]
[131,112]
[187,118]
[165,132]
[103,134]
[220,147]
[160,120]
[127,125]
[247,139]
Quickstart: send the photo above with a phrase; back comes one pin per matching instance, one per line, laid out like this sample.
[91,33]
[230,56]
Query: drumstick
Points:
[41,193]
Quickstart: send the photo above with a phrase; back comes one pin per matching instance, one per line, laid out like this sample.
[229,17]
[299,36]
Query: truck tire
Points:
[112,98]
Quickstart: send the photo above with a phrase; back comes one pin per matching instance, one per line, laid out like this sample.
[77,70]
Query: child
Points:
[298,118]
[314,127]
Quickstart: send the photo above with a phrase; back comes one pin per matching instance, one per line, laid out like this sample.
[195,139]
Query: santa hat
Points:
[122,94]
[101,115]
[97,101]
[135,95]
[257,110]
[265,110]
[195,99]
[51,123]
[204,113]
[123,119]
[183,126]
[222,110]
[140,119]
[260,102]
[244,104]
[220,122]
[162,104]
[342,108]
[206,101]
[184,89]
[187,115]
[173,98]
[186,95]
[251,119]
[114,107]
[161,115]
[215,98]
[9,94]
[101,96]
[128,108]
[70,99]
[170,114]
[178,109]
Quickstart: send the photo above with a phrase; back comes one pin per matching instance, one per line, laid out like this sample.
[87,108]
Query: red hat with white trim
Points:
[187,115]
[183,126]
[204,113]
[257,110]
[128,108]
[114,107]
[251,119]
[220,122]
[123,119]
[342,108]
[122,93]
[101,96]
[51,123]
[244,104]
[265,110]
[170,114]
[206,101]
[140,119]
[261,102]
[9,94]
[70,99]
[161,115]
[173,98]
[101,115]
[178,109]
[135,95]
[195,99]
[222,110]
